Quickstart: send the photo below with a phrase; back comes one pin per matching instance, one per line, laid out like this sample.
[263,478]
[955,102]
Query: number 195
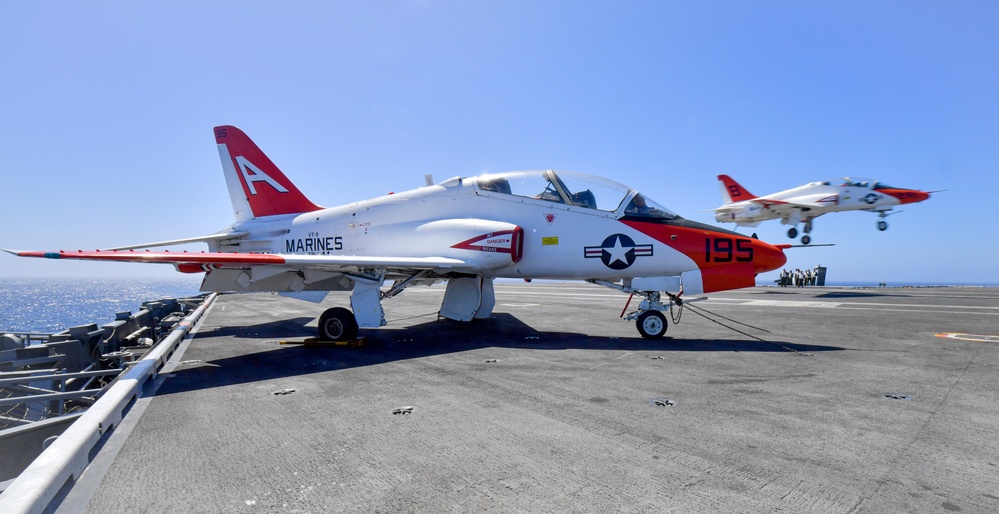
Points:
[721,249]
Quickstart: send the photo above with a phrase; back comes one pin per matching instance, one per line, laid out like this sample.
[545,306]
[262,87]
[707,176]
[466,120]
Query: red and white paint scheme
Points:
[805,203]
[466,231]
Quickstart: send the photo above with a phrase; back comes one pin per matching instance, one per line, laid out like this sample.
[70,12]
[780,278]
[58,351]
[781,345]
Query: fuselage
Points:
[811,200]
[563,236]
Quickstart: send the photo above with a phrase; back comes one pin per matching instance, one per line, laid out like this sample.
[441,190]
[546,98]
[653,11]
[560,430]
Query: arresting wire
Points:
[728,319]
[700,311]
[413,317]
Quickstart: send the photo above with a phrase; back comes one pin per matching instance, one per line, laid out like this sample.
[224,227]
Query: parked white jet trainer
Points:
[807,202]
[467,231]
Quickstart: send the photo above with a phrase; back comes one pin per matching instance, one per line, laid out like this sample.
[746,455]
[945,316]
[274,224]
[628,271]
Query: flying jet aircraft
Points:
[466,231]
[807,202]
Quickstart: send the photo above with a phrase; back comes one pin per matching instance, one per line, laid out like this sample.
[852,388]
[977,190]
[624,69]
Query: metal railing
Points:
[69,455]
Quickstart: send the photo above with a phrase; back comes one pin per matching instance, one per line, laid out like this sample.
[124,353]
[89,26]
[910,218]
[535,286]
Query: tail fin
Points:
[256,186]
[731,190]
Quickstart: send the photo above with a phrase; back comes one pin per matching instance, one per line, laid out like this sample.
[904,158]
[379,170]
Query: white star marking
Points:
[617,252]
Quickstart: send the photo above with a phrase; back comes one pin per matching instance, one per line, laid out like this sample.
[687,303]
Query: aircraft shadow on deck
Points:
[792,290]
[856,294]
[286,328]
[420,340]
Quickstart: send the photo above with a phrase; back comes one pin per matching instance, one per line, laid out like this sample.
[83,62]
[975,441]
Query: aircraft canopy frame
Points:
[577,189]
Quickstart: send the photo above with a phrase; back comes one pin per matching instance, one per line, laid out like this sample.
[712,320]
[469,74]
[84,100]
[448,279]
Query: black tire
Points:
[882,225]
[792,232]
[805,239]
[651,324]
[337,324]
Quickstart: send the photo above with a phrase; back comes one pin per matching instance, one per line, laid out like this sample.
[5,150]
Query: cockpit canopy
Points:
[576,189]
[865,183]
[853,182]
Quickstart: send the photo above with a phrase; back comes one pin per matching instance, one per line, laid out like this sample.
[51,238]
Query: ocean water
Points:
[54,304]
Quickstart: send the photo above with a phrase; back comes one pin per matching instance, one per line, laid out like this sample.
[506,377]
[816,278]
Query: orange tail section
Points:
[256,186]
[731,190]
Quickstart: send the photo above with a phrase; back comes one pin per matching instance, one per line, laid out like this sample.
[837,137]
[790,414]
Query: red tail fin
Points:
[256,186]
[732,191]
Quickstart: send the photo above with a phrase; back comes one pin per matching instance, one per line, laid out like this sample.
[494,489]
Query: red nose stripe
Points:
[710,249]
[906,195]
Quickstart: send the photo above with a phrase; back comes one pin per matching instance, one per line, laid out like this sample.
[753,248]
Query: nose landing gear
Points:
[651,324]
[649,318]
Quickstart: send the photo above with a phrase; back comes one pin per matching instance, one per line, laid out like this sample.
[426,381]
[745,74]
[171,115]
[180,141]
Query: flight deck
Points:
[764,399]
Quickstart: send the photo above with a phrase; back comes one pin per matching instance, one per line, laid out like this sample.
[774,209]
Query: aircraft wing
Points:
[194,262]
[798,202]
[199,239]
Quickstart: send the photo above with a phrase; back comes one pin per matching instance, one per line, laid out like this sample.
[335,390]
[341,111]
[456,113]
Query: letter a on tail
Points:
[257,187]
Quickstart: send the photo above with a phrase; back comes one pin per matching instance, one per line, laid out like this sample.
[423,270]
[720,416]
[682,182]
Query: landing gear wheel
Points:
[651,324]
[792,232]
[882,225]
[805,239]
[337,324]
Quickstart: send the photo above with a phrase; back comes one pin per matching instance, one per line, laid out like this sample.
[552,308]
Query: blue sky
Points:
[107,113]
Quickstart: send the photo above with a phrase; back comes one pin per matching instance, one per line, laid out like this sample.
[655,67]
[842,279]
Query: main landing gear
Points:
[337,324]
[805,239]
[465,298]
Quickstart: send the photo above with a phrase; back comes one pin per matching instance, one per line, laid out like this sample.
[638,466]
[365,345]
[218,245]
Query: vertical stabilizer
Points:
[731,190]
[256,186]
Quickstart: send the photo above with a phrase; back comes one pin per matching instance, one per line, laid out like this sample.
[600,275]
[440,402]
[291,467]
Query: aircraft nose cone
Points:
[909,195]
[915,196]
[767,257]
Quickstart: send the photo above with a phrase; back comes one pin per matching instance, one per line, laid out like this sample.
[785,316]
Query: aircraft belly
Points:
[276,280]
